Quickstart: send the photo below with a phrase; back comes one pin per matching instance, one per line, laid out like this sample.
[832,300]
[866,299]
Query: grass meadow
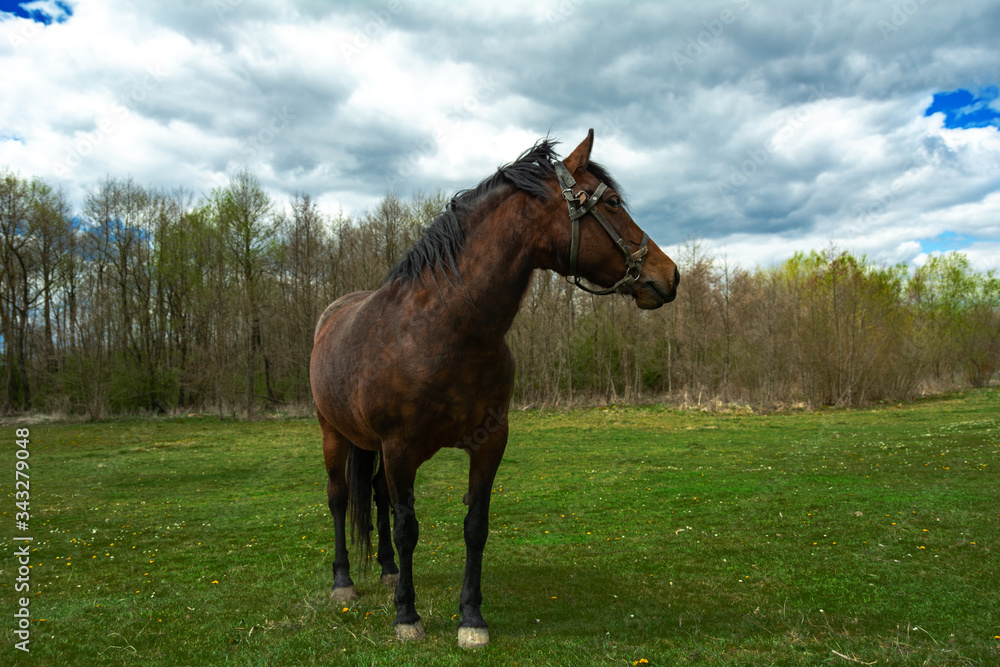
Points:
[620,536]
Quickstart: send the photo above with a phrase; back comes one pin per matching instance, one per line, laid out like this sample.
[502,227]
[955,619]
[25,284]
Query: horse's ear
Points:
[580,156]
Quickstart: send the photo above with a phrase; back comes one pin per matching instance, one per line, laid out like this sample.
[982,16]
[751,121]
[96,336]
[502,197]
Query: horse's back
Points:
[341,303]
[331,351]
[337,365]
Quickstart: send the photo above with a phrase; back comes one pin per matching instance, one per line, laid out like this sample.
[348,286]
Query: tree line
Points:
[155,301]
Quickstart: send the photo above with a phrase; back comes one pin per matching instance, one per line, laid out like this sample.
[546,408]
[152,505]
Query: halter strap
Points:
[579,205]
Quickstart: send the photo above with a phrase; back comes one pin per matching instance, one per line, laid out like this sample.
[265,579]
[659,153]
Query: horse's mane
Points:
[443,238]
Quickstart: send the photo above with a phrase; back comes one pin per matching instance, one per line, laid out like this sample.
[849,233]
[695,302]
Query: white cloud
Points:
[791,129]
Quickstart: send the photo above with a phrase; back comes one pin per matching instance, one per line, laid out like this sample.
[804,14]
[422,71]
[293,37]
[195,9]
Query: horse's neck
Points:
[495,267]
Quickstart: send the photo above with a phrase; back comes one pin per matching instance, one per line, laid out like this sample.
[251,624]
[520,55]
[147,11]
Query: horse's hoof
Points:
[343,594]
[473,637]
[408,633]
[389,580]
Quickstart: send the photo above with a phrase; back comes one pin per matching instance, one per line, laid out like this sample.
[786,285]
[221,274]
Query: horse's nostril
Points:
[677,277]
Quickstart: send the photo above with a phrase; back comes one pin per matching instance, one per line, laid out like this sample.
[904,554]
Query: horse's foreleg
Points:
[483,464]
[400,475]
[343,585]
[335,448]
[386,556]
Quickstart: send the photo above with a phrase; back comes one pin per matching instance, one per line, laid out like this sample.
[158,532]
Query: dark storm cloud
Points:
[709,78]
[733,119]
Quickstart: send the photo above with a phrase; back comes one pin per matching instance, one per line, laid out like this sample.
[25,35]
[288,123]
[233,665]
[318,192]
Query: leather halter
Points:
[580,204]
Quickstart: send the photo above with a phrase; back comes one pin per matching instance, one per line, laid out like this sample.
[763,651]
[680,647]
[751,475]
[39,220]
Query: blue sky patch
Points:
[963,109]
[946,242]
[45,13]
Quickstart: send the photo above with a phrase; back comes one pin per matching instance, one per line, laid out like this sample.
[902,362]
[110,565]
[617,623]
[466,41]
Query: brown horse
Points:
[421,363]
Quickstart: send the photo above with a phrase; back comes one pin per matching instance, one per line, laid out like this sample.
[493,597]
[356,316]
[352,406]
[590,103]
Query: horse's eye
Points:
[614,202]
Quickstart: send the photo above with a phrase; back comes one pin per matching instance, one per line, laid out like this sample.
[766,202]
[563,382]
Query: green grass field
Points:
[619,536]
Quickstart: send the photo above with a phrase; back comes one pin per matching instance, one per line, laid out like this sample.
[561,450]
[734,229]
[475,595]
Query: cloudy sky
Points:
[760,127]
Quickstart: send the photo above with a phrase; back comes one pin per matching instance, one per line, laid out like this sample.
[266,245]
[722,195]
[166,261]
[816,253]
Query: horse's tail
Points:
[360,468]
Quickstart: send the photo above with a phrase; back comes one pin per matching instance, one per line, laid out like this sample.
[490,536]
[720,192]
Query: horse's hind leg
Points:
[386,556]
[335,447]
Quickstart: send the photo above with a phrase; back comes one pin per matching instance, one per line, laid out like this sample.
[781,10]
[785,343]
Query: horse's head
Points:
[602,243]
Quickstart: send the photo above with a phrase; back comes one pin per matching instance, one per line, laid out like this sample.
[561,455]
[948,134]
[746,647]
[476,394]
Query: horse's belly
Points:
[448,404]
